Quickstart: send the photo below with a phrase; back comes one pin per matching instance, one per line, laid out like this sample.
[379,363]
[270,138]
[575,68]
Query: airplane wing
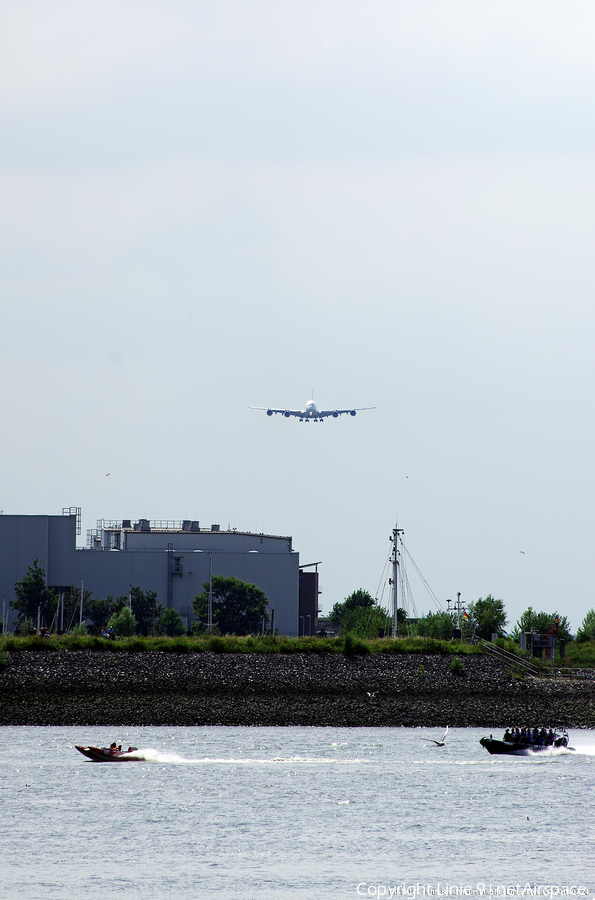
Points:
[335,413]
[284,412]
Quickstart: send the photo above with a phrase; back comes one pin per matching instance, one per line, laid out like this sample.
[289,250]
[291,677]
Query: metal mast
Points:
[395,562]
[210,602]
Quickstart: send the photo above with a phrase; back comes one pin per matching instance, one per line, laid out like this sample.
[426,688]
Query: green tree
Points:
[488,616]
[171,623]
[144,604]
[587,630]
[238,607]
[32,593]
[438,625]
[123,622]
[359,599]
[365,621]
[100,611]
[541,623]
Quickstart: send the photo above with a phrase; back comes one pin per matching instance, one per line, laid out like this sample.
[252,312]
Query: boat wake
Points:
[579,750]
[149,754]
[549,752]
[584,749]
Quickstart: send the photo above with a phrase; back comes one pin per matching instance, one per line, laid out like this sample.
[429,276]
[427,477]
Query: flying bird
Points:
[439,743]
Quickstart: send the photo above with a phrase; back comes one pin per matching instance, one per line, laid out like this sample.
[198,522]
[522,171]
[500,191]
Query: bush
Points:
[352,646]
[439,626]
[170,622]
[349,644]
[587,630]
[123,622]
[360,616]
[79,629]
[456,666]
[25,627]
[131,644]
[579,653]
[511,647]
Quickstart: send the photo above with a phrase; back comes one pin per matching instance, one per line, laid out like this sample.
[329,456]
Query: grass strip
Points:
[347,644]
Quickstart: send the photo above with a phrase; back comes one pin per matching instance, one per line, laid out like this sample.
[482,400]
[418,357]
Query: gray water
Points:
[306,813]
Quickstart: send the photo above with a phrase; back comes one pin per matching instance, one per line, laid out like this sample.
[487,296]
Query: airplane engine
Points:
[335,415]
[286,414]
[352,413]
[269,412]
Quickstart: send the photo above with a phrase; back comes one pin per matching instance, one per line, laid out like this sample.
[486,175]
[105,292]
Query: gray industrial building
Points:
[173,558]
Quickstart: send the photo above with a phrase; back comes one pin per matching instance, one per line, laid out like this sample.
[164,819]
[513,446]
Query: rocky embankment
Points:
[89,688]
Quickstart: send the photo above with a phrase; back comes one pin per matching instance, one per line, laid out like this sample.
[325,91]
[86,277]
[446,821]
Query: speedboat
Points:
[110,754]
[524,747]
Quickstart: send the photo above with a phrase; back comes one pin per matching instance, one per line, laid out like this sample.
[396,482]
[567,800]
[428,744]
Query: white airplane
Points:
[311,412]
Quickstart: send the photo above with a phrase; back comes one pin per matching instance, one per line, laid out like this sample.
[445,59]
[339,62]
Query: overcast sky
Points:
[212,205]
